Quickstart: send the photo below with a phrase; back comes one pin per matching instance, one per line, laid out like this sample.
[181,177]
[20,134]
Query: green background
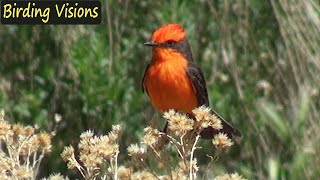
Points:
[261,61]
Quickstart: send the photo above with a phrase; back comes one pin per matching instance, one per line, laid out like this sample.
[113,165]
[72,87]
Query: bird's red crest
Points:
[172,32]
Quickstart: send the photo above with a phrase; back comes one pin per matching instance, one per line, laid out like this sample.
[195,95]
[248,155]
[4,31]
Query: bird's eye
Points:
[171,42]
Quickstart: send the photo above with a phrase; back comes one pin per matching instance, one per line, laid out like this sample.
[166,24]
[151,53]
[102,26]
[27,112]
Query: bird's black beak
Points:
[150,43]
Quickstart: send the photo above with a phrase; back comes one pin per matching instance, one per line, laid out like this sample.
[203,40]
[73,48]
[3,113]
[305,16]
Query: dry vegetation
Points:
[96,157]
[260,60]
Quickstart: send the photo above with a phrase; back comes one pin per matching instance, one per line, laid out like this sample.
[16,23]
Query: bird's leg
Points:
[165,129]
[163,139]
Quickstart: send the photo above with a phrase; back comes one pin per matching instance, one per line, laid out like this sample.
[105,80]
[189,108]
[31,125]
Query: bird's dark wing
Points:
[142,82]
[199,84]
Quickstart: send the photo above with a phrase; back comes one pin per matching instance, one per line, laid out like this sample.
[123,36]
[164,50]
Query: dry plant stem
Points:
[28,161]
[34,159]
[104,177]
[22,144]
[112,166]
[161,160]
[154,150]
[79,167]
[38,164]
[116,166]
[150,170]
[175,143]
[208,166]
[191,157]
[183,147]
[168,167]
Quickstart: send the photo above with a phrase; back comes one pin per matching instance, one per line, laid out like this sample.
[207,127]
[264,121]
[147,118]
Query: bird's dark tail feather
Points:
[208,133]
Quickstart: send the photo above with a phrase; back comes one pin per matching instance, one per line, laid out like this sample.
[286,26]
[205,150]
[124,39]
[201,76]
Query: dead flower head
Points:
[115,133]
[201,112]
[68,156]
[180,123]
[67,153]
[93,150]
[22,172]
[205,117]
[215,122]
[151,136]
[124,173]
[56,176]
[44,140]
[169,114]
[92,160]
[86,135]
[221,141]
[5,129]
[135,151]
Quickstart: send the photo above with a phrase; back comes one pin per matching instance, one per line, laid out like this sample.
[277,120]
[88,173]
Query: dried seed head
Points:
[135,151]
[201,112]
[215,122]
[17,129]
[57,176]
[124,173]
[151,136]
[30,146]
[180,124]
[44,140]
[86,135]
[91,160]
[221,141]
[117,128]
[22,172]
[5,129]
[105,150]
[113,136]
[6,163]
[28,131]
[169,114]
[67,153]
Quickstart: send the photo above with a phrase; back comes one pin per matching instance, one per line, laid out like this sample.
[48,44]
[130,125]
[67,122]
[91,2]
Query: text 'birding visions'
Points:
[50,12]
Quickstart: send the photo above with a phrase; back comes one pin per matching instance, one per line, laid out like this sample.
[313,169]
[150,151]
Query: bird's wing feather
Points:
[199,84]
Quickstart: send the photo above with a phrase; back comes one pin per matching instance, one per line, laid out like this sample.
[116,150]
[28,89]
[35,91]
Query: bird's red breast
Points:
[167,82]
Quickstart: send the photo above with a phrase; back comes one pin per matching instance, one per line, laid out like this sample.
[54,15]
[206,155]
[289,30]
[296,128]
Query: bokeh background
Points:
[261,60]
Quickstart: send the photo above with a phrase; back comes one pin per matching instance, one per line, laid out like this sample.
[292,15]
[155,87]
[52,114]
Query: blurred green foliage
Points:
[261,60]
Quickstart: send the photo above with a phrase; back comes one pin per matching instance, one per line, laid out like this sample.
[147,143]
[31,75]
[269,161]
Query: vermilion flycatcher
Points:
[173,81]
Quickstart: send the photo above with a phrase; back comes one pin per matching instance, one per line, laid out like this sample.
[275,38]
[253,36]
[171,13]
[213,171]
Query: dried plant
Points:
[22,150]
[234,176]
[94,151]
[183,135]
[56,176]
[96,157]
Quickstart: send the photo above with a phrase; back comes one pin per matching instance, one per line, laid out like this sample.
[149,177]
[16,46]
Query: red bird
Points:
[173,81]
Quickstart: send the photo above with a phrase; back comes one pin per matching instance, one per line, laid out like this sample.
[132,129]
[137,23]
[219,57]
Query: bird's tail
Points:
[233,133]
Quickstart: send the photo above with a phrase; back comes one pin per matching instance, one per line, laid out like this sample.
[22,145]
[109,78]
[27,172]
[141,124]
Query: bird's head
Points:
[168,40]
